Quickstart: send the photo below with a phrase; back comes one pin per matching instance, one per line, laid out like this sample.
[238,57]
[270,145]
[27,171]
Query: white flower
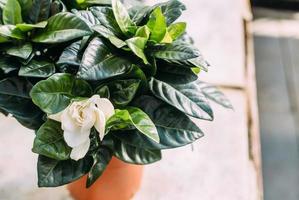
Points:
[78,119]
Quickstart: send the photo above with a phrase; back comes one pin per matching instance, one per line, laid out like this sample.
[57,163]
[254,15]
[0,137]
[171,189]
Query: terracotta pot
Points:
[120,181]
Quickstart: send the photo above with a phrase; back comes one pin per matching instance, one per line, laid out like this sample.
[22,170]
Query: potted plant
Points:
[105,88]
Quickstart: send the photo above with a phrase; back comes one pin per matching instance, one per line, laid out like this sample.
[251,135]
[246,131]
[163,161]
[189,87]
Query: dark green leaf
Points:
[106,33]
[22,51]
[172,10]
[70,58]
[12,13]
[32,122]
[134,155]
[55,94]
[106,17]
[40,11]
[101,159]
[53,173]
[40,69]
[122,119]
[8,65]
[187,98]
[98,63]
[122,17]
[26,6]
[49,141]
[61,28]
[15,99]
[174,51]
[175,128]
[87,16]
[214,94]
[120,92]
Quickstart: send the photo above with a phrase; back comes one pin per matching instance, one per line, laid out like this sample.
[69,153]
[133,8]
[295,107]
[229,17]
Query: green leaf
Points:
[137,45]
[15,99]
[187,98]
[54,173]
[8,32]
[12,13]
[174,51]
[175,128]
[40,69]
[70,58]
[172,10]
[198,62]
[214,94]
[26,6]
[106,33]
[120,92]
[122,17]
[22,51]
[176,30]
[123,119]
[31,122]
[157,25]
[87,16]
[40,11]
[134,155]
[55,94]
[28,27]
[98,63]
[62,27]
[49,141]
[101,159]
[106,17]
[8,65]
[143,31]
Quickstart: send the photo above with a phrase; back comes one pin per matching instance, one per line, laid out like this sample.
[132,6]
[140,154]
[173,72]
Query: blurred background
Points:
[250,153]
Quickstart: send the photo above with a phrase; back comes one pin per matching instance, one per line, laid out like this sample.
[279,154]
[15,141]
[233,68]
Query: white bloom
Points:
[78,119]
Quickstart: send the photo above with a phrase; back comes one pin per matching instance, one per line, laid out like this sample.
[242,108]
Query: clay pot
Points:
[120,181]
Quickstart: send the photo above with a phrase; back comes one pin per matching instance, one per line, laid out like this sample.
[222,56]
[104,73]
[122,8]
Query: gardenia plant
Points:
[96,80]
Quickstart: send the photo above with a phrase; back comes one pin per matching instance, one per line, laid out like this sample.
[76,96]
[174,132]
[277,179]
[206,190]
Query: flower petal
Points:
[100,123]
[56,117]
[89,117]
[75,138]
[68,123]
[105,106]
[80,151]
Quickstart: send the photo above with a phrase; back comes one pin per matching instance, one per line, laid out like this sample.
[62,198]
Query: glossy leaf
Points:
[31,122]
[15,99]
[49,141]
[101,159]
[137,45]
[40,69]
[12,13]
[174,51]
[70,58]
[122,119]
[98,63]
[54,173]
[122,16]
[157,25]
[106,17]
[187,98]
[22,51]
[134,155]
[143,31]
[87,16]
[55,94]
[172,10]
[8,65]
[40,11]
[120,92]
[175,129]
[8,32]
[28,27]
[106,33]
[61,28]
[214,94]
[176,30]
